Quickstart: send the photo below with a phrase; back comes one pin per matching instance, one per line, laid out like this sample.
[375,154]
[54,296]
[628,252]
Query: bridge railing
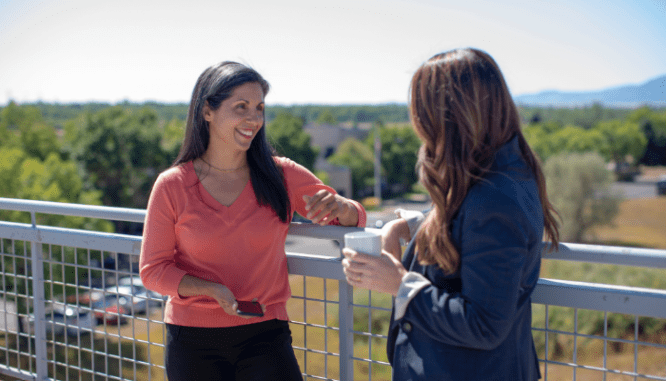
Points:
[339,332]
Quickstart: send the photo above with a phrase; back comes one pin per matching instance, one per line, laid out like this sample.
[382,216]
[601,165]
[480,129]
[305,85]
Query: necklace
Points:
[221,169]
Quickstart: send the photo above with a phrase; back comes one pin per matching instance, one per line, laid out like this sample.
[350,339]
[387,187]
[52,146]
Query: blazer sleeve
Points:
[300,181]
[494,247]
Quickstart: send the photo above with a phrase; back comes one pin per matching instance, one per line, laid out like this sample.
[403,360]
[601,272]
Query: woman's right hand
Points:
[193,286]
[225,298]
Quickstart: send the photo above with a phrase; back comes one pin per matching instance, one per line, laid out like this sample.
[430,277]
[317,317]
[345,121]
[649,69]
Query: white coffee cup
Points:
[367,242]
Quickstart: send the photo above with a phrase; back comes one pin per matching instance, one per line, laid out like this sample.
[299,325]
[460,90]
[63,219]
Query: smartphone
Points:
[249,308]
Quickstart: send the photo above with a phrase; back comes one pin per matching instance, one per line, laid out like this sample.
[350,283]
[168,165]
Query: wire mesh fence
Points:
[73,308]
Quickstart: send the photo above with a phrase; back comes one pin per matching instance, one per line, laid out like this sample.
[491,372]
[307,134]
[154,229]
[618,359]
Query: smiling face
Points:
[237,121]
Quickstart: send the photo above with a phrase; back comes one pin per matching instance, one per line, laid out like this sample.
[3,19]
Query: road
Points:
[639,189]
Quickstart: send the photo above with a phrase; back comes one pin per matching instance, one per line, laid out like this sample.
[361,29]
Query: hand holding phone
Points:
[249,308]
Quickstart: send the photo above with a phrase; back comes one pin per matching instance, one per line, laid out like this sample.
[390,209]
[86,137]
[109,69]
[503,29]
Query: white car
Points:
[661,185]
[135,299]
[129,294]
[61,318]
[131,280]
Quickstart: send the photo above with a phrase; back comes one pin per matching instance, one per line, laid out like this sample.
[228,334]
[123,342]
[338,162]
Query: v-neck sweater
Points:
[241,246]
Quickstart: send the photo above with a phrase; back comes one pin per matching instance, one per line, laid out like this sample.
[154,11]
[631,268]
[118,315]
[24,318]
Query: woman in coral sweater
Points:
[215,232]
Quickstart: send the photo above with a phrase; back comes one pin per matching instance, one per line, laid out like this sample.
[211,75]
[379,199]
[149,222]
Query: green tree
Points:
[121,153]
[14,116]
[5,135]
[400,146]
[623,140]
[359,158]
[548,139]
[286,134]
[172,136]
[326,117]
[52,179]
[653,125]
[579,188]
[14,119]
[39,140]
[24,126]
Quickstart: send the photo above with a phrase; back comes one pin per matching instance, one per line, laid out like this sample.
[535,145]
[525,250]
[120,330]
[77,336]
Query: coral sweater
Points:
[241,246]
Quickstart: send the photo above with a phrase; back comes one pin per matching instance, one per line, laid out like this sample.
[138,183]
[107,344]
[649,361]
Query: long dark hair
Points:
[462,110]
[214,85]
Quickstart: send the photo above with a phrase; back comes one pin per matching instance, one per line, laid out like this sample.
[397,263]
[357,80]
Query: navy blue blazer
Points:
[475,324]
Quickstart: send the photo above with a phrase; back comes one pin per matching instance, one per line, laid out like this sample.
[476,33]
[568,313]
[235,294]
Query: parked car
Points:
[661,186]
[154,299]
[109,310]
[129,294]
[131,280]
[136,300]
[130,285]
[61,318]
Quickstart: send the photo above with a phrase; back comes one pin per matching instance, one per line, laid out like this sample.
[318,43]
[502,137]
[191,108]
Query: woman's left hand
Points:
[324,206]
[377,273]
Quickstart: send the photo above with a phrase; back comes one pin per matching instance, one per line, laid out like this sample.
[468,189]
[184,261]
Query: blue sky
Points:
[331,52]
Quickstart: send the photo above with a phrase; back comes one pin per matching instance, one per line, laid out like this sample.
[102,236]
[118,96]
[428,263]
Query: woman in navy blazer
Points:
[462,308]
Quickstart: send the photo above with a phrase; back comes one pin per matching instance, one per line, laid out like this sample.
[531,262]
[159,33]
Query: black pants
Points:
[260,351]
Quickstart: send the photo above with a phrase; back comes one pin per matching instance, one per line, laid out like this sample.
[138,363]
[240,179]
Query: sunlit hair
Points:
[214,85]
[463,113]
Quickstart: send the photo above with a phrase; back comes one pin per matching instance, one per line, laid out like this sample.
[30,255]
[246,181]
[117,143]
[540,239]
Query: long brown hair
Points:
[462,110]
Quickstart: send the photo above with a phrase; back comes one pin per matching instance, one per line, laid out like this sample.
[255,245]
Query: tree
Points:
[326,117]
[579,187]
[400,146]
[622,139]
[359,158]
[172,136]
[287,136]
[617,140]
[39,140]
[5,135]
[52,179]
[13,116]
[14,119]
[548,139]
[121,153]
[653,125]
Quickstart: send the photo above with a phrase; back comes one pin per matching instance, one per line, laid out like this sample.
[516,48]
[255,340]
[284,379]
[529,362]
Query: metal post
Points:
[378,163]
[39,310]
[346,326]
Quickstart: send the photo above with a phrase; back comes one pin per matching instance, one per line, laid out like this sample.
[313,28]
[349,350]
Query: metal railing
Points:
[339,332]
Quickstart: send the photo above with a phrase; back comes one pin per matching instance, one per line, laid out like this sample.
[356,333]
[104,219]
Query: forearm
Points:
[413,220]
[193,286]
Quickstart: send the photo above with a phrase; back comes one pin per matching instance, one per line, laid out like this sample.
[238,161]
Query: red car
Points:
[109,310]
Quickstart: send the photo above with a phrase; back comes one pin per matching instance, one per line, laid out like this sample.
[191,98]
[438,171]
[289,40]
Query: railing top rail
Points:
[625,256]
[78,210]
[612,255]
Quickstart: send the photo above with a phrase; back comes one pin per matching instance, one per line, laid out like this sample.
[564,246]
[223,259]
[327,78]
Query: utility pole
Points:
[378,163]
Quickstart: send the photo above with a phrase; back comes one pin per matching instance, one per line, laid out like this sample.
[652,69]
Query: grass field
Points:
[641,222]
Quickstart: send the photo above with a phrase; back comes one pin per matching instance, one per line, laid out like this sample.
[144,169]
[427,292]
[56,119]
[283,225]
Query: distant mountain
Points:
[651,93]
